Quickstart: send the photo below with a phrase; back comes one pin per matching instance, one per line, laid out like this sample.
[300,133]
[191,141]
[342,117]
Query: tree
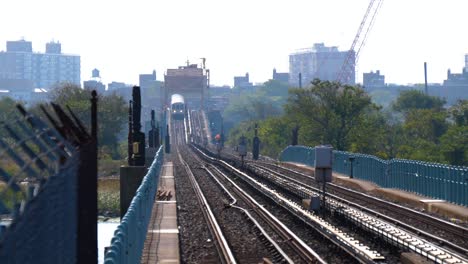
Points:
[425,124]
[250,108]
[459,113]
[8,113]
[275,135]
[112,113]
[420,149]
[7,108]
[275,88]
[454,145]
[330,109]
[372,135]
[414,99]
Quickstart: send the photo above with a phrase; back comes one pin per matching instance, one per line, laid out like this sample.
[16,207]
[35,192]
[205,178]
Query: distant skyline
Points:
[126,38]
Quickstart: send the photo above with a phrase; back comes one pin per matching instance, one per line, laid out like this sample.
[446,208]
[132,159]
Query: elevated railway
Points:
[254,212]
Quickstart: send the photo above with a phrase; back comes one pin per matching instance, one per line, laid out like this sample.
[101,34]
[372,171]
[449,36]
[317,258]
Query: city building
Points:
[242,81]
[218,98]
[124,91]
[16,85]
[45,70]
[147,80]
[95,82]
[320,61]
[280,76]
[372,80]
[114,86]
[190,81]
[456,85]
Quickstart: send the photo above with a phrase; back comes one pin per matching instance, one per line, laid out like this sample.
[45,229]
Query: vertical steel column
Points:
[256,144]
[130,134]
[167,141]
[87,194]
[138,136]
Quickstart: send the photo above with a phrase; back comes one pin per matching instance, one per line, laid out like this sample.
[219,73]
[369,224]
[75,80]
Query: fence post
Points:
[87,194]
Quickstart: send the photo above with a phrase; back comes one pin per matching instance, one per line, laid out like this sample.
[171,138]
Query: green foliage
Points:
[330,109]
[7,109]
[8,112]
[112,113]
[414,99]
[383,97]
[420,149]
[275,134]
[274,88]
[246,129]
[425,124]
[109,197]
[250,107]
[371,135]
[454,145]
[263,102]
[9,197]
[459,113]
[344,116]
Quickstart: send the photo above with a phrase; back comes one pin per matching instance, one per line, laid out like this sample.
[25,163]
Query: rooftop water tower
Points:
[95,73]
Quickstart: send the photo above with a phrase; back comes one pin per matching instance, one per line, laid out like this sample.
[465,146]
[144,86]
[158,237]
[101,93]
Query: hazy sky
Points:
[125,38]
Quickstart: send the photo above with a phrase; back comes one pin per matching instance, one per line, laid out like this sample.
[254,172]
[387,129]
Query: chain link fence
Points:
[48,209]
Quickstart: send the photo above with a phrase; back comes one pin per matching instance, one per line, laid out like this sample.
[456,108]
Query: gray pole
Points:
[425,78]
[300,80]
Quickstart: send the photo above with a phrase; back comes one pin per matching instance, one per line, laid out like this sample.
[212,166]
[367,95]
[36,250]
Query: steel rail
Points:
[347,243]
[246,212]
[457,230]
[393,233]
[225,251]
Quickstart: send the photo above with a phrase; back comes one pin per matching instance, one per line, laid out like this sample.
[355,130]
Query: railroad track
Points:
[227,255]
[304,251]
[197,128]
[289,238]
[365,218]
[224,250]
[454,232]
[456,252]
[389,232]
[355,249]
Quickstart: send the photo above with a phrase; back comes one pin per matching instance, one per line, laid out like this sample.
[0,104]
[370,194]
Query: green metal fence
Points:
[129,237]
[434,180]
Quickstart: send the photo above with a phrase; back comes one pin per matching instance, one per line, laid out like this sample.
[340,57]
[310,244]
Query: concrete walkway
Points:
[162,239]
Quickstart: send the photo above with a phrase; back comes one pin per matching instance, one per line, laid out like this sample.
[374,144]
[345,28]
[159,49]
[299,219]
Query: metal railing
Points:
[435,180]
[129,237]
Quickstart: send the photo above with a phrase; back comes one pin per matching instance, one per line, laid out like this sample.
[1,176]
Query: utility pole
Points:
[425,79]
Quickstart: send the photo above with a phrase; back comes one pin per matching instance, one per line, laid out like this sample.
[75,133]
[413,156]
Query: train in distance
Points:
[177,107]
